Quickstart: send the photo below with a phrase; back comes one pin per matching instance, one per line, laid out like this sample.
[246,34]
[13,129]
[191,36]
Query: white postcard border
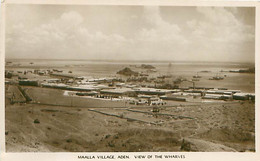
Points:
[189,156]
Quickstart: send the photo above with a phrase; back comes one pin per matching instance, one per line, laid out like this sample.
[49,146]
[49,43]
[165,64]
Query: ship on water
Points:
[197,76]
[217,77]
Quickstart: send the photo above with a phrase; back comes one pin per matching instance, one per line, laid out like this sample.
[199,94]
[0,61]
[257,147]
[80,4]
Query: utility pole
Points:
[193,84]
[71,100]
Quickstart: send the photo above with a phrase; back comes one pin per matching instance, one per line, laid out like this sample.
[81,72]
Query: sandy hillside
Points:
[227,127]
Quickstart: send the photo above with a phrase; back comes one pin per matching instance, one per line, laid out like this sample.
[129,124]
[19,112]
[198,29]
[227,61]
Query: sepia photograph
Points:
[129,78]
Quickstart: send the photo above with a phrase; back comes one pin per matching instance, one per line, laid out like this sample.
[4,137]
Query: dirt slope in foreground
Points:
[216,128]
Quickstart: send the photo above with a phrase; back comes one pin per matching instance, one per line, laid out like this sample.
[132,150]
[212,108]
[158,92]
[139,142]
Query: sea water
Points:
[96,69]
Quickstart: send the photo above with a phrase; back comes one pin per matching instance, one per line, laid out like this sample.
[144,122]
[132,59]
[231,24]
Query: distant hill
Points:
[145,66]
[250,70]
[127,71]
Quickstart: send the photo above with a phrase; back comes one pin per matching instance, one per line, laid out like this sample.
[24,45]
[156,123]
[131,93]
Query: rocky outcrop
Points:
[127,72]
[145,66]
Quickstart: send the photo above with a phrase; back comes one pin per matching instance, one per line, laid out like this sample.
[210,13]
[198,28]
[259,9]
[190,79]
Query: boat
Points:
[217,77]
[205,71]
[196,76]
[164,76]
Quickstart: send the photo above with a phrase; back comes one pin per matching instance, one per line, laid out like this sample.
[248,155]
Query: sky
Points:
[163,33]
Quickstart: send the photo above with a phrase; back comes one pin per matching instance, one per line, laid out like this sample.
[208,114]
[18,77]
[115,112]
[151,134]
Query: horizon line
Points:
[124,60]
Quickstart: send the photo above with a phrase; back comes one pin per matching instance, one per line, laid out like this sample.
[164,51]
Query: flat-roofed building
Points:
[118,92]
[29,82]
[152,91]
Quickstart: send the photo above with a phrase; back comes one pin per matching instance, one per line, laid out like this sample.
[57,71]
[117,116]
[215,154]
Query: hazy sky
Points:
[130,33]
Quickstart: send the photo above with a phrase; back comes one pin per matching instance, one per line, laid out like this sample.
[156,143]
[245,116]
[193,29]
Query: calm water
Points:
[240,81]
